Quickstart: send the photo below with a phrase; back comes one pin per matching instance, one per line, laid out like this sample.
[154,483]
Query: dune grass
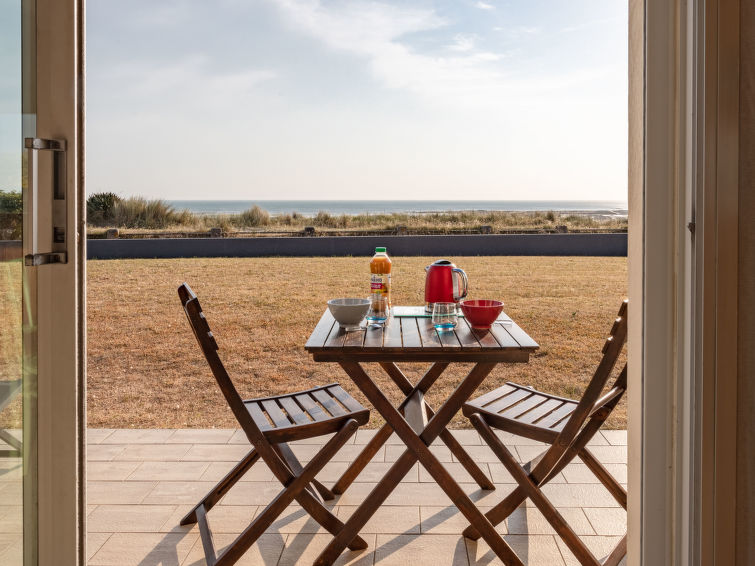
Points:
[145,369]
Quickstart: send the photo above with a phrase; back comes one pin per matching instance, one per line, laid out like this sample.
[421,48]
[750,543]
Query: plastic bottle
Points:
[380,286]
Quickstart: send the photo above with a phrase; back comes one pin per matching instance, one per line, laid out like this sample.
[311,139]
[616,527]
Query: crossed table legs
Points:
[417,444]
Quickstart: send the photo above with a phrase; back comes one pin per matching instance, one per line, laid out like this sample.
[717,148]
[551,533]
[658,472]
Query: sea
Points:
[337,207]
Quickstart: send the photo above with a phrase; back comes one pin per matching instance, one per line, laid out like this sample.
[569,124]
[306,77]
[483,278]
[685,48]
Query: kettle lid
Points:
[442,262]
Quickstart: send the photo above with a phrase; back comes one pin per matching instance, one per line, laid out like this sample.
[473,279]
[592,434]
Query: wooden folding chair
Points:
[269,424]
[567,426]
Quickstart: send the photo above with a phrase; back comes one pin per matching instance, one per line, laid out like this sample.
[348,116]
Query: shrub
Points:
[11,215]
[100,208]
[138,212]
[255,216]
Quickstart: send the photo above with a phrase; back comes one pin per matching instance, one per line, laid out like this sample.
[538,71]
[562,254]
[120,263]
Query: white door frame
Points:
[60,296]
[683,167]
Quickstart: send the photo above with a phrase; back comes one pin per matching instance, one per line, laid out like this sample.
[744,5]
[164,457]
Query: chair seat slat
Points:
[530,402]
[311,407]
[487,398]
[258,415]
[329,403]
[345,399]
[276,414]
[540,411]
[508,401]
[554,418]
[294,411]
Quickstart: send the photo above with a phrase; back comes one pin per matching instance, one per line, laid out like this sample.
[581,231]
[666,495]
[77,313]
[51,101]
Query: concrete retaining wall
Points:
[496,244]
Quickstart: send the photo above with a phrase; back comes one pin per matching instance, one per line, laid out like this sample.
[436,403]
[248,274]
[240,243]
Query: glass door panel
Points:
[16,376]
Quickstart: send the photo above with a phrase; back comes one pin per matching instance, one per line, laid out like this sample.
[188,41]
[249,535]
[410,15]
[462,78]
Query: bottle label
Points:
[380,283]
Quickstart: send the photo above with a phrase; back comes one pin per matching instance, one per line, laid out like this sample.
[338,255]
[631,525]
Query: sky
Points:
[315,99]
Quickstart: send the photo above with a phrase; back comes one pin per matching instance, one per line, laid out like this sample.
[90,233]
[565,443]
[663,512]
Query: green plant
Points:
[11,215]
[100,207]
[255,216]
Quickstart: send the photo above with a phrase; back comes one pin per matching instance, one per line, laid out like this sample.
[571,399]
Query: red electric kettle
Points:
[444,283]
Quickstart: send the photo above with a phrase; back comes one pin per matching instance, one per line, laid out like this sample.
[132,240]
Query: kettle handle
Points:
[465,283]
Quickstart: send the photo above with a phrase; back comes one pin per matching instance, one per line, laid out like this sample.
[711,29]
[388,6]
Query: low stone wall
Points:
[474,245]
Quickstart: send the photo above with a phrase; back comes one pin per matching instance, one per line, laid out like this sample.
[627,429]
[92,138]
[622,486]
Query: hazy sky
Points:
[307,99]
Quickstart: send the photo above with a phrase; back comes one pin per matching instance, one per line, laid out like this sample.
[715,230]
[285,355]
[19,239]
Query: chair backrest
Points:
[209,347]
[591,399]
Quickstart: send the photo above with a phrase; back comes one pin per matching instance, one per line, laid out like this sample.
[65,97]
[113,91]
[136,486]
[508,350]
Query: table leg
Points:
[382,436]
[400,379]
[417,449]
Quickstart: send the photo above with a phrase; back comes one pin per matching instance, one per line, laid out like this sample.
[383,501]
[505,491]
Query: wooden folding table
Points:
[414,339]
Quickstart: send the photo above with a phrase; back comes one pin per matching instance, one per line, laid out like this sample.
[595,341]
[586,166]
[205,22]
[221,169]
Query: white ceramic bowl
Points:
[349,312]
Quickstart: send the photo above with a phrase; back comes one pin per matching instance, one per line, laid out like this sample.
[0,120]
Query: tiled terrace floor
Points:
[141,482]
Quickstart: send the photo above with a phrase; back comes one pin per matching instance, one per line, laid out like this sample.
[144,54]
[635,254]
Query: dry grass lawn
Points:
[146,370]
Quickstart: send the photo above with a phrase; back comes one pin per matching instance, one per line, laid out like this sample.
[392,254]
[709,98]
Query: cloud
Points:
[484,6]
[465,76]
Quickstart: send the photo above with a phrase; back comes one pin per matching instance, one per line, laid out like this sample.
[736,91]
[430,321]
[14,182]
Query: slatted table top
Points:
[415,339]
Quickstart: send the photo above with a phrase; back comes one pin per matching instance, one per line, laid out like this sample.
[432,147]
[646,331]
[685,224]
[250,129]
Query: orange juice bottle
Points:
[380,286]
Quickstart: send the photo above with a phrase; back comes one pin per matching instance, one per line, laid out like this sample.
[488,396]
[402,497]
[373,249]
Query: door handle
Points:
[45,246]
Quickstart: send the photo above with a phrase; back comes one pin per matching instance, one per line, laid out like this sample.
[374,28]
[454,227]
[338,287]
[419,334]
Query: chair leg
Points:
[222,487]
[293,462]
[356,467]
[533,492]
[294,490]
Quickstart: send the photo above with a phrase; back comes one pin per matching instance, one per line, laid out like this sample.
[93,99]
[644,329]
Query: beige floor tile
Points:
[128,518]
[252,493]
[579,473]
[515,440]
[169,471]
[154,452]
[305,548]
[97,435]
[133,549]
[529,520]
[139,436]
[11,549]
[11,519]
[239,437]
[448,520]
[11,469]
[395,519]
[264,552]
[500,474]
[104,452]
[200,436]
[11,492]
[216,471]
[90,508]
[177,492]
[110,471]
[118,492]
[356,493]
[607,520]
[364,435]
[600,547]
[375,471]
[95,542]
[435,550]
[214,452]
[457,471]
[578,494]
[227,519]
[466,437]
[533,550]
[610,454]
[294,520]
[481,453]
[442,453]
[615,437]
[346,454]
[527,453]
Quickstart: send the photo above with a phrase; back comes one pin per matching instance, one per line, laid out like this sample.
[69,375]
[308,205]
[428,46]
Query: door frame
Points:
[60,297]
[683,191]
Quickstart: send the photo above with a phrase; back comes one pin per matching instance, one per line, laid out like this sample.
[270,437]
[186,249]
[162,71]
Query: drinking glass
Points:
[444,316]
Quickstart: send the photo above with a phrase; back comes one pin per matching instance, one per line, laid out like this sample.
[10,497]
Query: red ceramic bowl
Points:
[481,313]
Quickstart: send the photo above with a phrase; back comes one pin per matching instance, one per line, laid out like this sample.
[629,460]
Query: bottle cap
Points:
[379,250]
